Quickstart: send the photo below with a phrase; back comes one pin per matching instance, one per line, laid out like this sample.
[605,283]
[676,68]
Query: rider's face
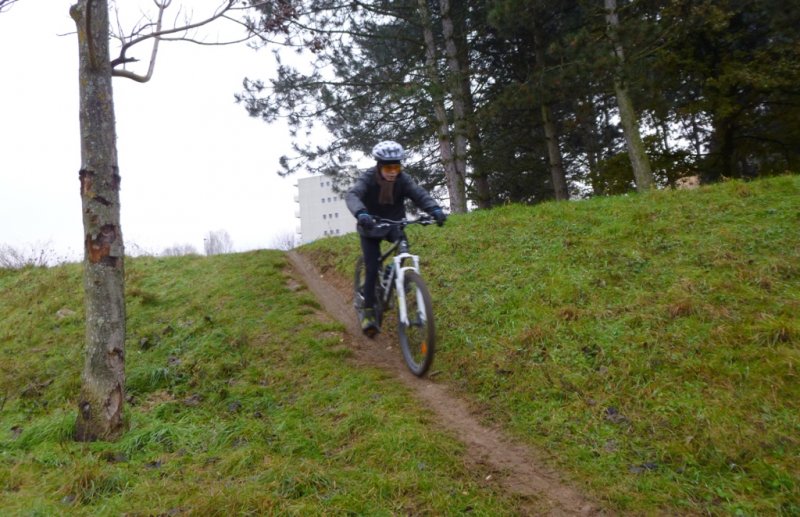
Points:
[390,171]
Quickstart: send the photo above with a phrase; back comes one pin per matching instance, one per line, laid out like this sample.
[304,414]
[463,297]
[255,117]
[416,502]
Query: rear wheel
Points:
[418,337]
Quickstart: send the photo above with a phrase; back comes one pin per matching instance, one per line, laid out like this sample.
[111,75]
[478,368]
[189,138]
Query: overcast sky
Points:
[191,160]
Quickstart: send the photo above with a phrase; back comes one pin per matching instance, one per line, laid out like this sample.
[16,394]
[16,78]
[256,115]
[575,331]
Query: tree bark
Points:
[554,153]
[480,180]
[721,150]
[456,186]
[587,122]
[557,174]
[697,141]
[102,395]
[454,84]
[483,193]
[642,173]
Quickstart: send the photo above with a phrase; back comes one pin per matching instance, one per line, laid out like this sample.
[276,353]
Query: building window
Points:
[323,200]
[324,216]
[337,215]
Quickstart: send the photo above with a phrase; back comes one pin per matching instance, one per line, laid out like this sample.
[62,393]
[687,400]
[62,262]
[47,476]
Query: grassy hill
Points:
[649,342]
[241,402]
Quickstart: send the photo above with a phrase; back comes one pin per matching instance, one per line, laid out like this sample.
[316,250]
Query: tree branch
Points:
[122,59]
[158,33]
[6,4]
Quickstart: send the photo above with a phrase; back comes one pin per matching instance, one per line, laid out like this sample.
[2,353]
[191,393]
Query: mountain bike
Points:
[401,277]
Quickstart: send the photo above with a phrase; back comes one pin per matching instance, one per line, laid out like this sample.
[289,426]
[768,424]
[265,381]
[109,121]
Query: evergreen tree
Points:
[736,69]
[521,98]
[369,81]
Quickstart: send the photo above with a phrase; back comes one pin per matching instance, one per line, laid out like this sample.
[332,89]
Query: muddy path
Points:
[515,467]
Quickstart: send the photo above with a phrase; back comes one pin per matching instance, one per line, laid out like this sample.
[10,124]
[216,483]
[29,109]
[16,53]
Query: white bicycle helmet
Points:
[388,151]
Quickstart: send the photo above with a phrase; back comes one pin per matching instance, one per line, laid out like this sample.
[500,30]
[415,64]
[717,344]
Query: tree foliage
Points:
[714,84]
[365,82]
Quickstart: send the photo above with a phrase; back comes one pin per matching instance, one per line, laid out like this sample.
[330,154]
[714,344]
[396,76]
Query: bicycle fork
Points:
[399,279]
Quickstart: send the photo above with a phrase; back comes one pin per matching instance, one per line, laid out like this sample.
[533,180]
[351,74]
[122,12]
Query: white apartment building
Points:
[322,212]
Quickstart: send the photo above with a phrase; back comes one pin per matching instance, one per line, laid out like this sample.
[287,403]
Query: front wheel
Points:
[418,338]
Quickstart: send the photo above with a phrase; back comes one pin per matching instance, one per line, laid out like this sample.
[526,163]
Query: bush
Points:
[36,256]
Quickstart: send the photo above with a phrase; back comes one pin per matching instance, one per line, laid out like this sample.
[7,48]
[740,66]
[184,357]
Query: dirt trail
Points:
[515,467]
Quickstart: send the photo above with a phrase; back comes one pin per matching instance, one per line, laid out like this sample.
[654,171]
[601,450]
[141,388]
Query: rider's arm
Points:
[354,197]
[419,195]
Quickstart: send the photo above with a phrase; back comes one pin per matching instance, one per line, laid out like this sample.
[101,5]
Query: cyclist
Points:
[381,191]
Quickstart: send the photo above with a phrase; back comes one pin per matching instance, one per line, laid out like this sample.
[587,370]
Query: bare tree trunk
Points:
[554,153]
[664,128]
[721,150]
[697,142]
[100,406]
[456,186]
[587,122]
[483,194]
[551,135]
[480,180]
[630,125]
[457,95]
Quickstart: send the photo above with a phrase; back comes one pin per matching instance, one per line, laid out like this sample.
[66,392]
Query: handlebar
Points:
[424,220]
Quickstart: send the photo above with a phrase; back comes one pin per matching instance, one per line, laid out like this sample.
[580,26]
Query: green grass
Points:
[241,401]
[651,342]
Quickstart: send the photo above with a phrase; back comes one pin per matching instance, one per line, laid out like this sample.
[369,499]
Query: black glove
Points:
[440,216]
[365,220]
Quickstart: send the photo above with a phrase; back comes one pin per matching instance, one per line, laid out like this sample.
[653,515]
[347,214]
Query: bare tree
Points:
[217,243]
[100,404]
[134,249]
[179,250]
[103,380]
[284,241]
[37,256]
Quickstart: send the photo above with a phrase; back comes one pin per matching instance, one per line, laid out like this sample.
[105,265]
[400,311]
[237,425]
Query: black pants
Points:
[371,248]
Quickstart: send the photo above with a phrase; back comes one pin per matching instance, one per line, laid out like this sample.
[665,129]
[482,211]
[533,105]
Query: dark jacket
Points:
[364,196]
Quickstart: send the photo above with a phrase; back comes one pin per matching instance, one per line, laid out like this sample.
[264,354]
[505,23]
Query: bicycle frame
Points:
[398,276]
[398,269]
[401,250]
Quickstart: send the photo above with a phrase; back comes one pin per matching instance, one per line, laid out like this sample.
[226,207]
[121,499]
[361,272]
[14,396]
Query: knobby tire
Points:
[418,340]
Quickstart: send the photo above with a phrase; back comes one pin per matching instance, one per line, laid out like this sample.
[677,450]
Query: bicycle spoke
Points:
[418,336]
